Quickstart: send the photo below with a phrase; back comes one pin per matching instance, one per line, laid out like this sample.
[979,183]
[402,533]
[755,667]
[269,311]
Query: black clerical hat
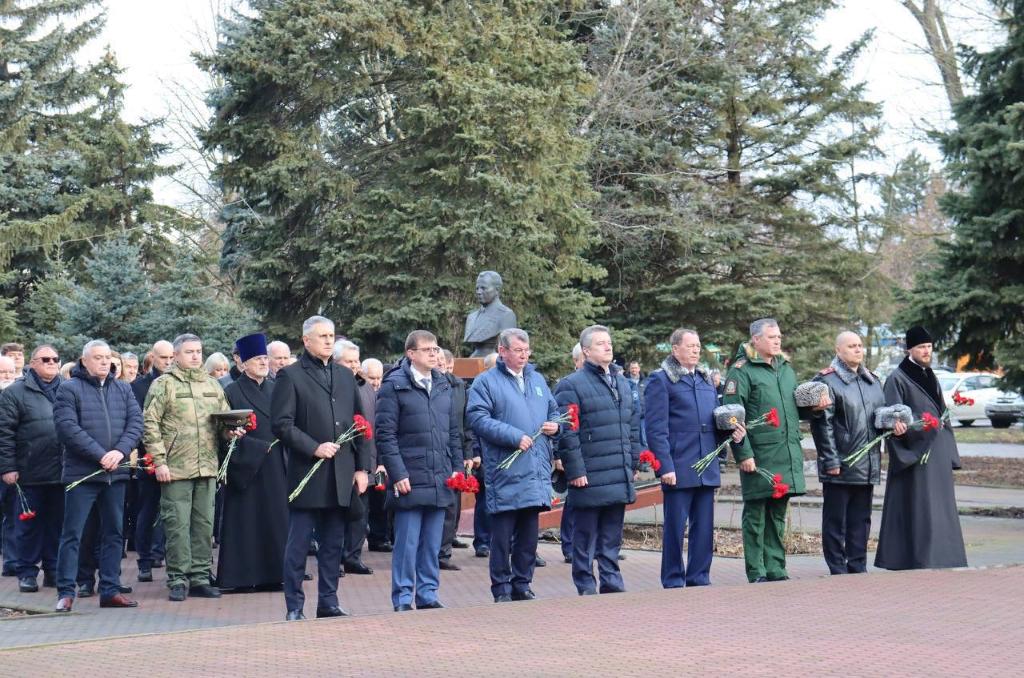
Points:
[918,335]
[250,346]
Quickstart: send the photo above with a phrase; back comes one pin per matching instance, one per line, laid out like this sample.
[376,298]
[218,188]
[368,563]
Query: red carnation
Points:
[776,479]
[250,424]
[27,515]
[555,501]
[772,418]
[380,487]
[780,490]
[151,470]
[574,417]
[454,482]
[930,422]
[471,485]
[362,426]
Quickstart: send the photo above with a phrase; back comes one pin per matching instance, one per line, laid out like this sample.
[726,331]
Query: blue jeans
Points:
[109,499]
[38,538]
[696,506]
[597,535]
[414,563]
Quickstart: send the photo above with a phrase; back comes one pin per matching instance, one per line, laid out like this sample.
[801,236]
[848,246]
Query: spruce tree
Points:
[971,300]
[71,168]
[394,149]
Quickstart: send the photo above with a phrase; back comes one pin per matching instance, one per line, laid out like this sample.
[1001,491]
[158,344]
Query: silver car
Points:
[1005,409]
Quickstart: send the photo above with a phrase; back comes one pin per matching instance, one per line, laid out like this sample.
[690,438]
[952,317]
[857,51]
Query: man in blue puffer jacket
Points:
[99,423]
[507,406]
[601,460]
[418,441]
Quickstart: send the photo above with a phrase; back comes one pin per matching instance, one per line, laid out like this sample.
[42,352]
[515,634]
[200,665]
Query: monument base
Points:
[468,368]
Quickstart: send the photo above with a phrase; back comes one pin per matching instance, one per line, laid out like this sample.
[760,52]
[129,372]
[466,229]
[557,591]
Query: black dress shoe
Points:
[294,615]
[86,590]
[436,605]
[541,562]
[381,548]
[177,593]
[448,565]
[524,595]
[124,589]
[49,580]
[456,544]
[145,575]
[483,553]
[760,580]
[503,598]
[404,607]
[28,584]
[357,567]
[334,611]
[203,591]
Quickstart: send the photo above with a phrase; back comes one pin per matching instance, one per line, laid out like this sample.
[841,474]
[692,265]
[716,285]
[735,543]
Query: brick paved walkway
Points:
[911,623]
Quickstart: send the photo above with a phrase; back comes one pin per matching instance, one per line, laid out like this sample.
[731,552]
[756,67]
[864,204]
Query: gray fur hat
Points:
[725,413]
[808,394]
[886,417]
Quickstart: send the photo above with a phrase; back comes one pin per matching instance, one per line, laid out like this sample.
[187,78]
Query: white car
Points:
[967,393]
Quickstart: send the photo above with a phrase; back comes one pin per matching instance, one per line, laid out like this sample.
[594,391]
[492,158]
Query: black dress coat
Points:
[254,527]
[307,412]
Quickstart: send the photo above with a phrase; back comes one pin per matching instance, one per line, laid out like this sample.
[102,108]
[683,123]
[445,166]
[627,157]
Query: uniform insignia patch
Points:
[538,391]
[730,387]
[827,370]
[741,362]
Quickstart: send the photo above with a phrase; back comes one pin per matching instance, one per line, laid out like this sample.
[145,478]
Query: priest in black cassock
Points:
[920,525]
[255,522]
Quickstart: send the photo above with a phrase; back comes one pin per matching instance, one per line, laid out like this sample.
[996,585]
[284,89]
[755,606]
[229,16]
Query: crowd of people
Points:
[275,458]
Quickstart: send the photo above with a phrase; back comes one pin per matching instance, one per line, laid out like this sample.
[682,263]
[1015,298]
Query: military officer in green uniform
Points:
[183,439]
[761,378]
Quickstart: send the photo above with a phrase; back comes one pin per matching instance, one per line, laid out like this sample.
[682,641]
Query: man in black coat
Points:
[313,405]
[449,539]
[600,460]
[149,533]
[30,456]
[255,520]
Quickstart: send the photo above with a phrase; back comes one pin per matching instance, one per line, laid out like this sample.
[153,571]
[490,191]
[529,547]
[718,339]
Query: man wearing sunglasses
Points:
[31,457]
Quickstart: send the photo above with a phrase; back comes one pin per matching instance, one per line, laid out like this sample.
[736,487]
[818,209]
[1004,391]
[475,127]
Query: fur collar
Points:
[674,371]
[847,375]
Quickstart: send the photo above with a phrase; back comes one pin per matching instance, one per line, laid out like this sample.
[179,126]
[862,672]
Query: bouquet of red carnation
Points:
[222,472]
[360,427]
[779,488]
[146,461]
[463,482]
[379,483]
[647,457]
[961,400]
[26,512]
[927,422]
[571,418]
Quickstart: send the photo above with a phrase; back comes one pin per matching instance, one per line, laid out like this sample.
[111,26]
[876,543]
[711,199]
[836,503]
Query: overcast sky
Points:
[153,41]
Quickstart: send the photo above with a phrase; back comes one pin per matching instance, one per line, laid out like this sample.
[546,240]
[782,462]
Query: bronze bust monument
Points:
[484,324]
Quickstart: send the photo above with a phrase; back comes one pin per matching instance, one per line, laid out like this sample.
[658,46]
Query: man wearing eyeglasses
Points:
[507,407]
[30,456]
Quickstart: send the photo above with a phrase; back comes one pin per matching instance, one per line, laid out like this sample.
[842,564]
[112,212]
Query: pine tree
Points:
[71,168]
[971,300]
[721,159]
[394,149]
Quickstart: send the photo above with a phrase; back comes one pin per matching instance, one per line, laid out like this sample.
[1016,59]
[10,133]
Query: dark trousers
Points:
[109,500]
[89,550]
[356,531]
[481,518]
[381,522]
[451,526]
[513,550]
[845,525]
[415,571]
[330,528]
[696,506]
[149,530]
[597,535]
[565,529]
[9,510]
[39,538]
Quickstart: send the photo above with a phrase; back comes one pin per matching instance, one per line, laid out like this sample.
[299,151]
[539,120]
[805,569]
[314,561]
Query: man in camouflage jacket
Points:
[183,439]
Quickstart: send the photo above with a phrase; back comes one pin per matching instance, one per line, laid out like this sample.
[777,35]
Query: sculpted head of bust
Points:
[488,287]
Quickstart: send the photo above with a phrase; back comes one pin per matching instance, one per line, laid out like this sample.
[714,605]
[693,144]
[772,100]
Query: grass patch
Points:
[1004,436]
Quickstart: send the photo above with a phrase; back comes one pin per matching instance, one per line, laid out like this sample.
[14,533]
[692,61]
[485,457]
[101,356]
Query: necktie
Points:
[425,382]
[521,383]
